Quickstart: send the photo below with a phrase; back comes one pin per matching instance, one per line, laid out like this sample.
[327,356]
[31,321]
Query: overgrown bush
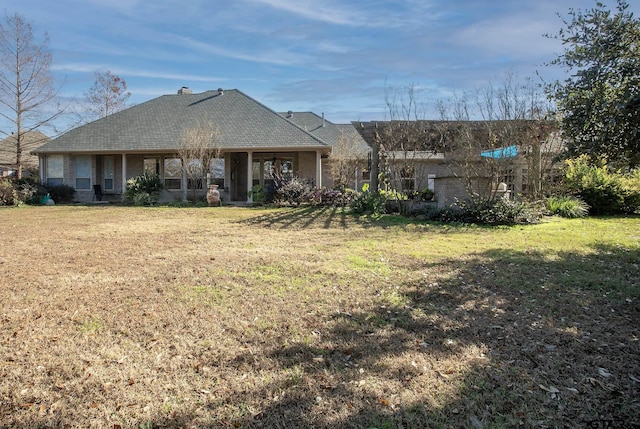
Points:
[605,192]
[567,206]
[425,194]
[501,211]
[18,192]
[331,197]
[7,193]
[292,191]
[61,194]
[258,195]
[631,186]
[368,202]
[144,189]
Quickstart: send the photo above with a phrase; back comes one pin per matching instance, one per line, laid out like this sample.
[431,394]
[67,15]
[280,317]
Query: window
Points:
[553,175]
[152,166]
[269,169]
[286,168]
[216,168]
[194,174]
[407,178]
[83,172]
[525,180]
[107,172]
[509,177]
[278,168]
[431,182]
[255,172]
[172,173]
[55,170]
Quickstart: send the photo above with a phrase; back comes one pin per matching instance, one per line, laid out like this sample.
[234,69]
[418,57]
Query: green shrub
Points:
[605,192]
[144,189]
[61,194]
[7,193]
[258,195]
[567,206]
[501,211]
[368,202]
[425,194]
[631,186]
[17,192]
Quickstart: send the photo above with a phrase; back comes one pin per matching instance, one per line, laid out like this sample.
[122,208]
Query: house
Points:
[252,141]
[346,145]
[458,159]
[253,144]
[30,142]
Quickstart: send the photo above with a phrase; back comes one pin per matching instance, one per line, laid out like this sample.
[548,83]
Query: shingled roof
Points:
[326,130]
[32,140]
[157,125]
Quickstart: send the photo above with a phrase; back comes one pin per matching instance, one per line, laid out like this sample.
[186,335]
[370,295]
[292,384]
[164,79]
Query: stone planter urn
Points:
[213,196]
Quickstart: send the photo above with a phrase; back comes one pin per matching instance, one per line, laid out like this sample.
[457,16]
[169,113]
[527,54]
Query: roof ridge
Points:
[283,118]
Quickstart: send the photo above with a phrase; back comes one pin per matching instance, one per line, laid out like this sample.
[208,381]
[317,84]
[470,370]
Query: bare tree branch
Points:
[198,146]
[107,95]
[26,83]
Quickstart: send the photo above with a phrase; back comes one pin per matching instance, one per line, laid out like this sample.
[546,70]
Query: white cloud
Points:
[277,57]
[517,36]
[128,72]
[318,11]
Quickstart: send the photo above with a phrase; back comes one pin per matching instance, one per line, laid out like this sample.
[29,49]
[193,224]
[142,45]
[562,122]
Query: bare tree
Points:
[347,156]
[404,144]
[513,116]
[27,88]
[199,146]
[107,95]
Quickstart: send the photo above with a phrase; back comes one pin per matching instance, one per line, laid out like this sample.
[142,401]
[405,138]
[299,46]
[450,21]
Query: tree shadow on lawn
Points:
[502,339]
[303,217]
[332,217]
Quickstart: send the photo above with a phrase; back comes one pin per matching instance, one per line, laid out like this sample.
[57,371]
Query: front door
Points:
[238,177]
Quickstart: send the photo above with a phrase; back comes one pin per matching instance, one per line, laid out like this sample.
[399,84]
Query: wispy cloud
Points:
[127,72]
[323,11]
[515,35]
[281,57]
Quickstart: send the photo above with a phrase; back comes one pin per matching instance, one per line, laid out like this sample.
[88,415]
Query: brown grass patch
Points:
[161,317]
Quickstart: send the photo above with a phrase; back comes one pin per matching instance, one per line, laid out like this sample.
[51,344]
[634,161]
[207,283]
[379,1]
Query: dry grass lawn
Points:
[122,317]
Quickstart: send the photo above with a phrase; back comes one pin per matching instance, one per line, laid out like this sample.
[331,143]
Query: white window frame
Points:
[83,172]
[108,172]
[55,170]
[172,175]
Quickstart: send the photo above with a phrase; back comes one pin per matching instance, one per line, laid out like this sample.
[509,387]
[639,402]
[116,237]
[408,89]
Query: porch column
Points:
[41,171]
[249,176]
[319,168]
[185,185]
[124,173]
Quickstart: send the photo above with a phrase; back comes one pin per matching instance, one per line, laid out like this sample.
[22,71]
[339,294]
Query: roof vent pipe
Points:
[220,91]
[323,119]
[289,114]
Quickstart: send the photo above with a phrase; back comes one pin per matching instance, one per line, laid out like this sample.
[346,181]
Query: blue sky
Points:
[331,56]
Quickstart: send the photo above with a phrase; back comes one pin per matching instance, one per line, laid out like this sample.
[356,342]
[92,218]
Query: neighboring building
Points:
[32,141]
[456,159]
[453,159]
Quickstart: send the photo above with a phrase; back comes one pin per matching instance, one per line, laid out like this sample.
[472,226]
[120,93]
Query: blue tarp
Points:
[503,152]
